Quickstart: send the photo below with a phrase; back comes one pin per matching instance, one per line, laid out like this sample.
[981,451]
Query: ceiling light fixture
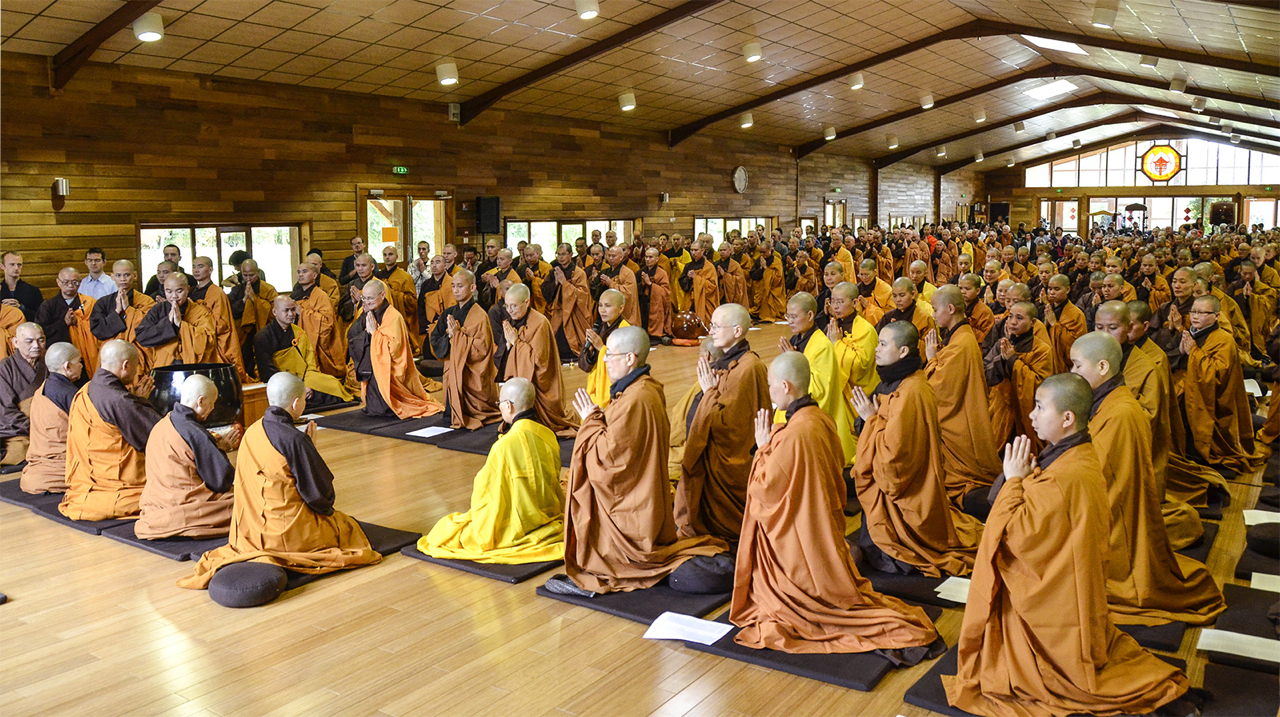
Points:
[1197,104]
[893,140]
[941,151]
[447,73]
[1214,120]
[627,101]
[1235,139]
[587,9]
[752,52]
[1148,61]
[1104,13]
[1075,144]
[979,115]
[1051,135]
[829,134]
[855,82]
[1019,127]
[1059,45]
[149,27]
[926,102]
[978,157]
[1009,162]
[1051,90]
[745,120]
[1178,84]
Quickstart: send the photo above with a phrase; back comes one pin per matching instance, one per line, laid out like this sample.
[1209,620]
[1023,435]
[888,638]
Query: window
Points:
[1186,210]
[275,248]
[1260,211]
[1093,169]
[550,234]
[1204,163]
[720,227]
[1037,176]
[402,217]
[1160,211]
[1264,168]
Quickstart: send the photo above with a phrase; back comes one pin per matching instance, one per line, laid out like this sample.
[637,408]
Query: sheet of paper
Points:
[1263,581]
[954,589]
[675,626]
[303,428]
[1252,387]
[1259,648]
[1254,517]
[429,432]
[310,416]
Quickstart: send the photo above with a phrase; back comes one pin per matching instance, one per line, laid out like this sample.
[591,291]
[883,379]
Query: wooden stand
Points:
[254,405]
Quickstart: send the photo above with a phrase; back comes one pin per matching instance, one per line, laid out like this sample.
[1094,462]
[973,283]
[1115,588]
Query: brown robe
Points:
[1070,325]
[436,296]
[188,489]
[46,469]
[1147,583]
[701,283]
[533,356]
[716,462]
[796,588]
[624,280]
[193,341]
[383,363]
[659,303]
[733,282]
[10,317]
[251,312]
[18,383]
[899,479]
[1013,384]
[403,295]
[970,456]
[1219,421]
[106,323]
[768,289]
[469,370]
[283,510]
[319,321]
[980,320]
[619,528]
[1037,640]
[568,306]
[224,325]
[52,317]
[107,431]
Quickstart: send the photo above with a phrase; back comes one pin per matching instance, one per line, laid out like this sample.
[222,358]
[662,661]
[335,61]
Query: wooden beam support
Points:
[474,106]
[71,58]
[1123,118]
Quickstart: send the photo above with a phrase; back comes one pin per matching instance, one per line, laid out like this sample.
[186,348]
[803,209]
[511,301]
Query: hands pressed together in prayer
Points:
[594,339]
[606,280]
[121,302]
[707,378]
[763,426]
[559,275]
[644,279]
[583,404]
[174,314]
[509,332]
[784,345]
[1049,317]
[833,330]
[143,385]
[70,318]
[450,325]
[1187,343]
[355,294]
[865,407]
[1019,462]
[370,323]
[229,440]
[931,344]
[311,429]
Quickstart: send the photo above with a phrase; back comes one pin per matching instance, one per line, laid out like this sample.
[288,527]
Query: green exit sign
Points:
[399,170]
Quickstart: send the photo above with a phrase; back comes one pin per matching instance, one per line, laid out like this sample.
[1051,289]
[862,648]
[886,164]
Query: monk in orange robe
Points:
[382,359]
[251,302]
[716,462]
[463,339]
[531,354]
[908,524]
[591,360]
[46,469]
[107,430]
[435,296]
[533,272]
[1037,638]
[490,281]
[209,294]
[732,277]
[768,286]
[1015,365]
[401,292]
[567,297]
[806,278]
[796,587]
[283,511]
[65,317]
[1151,287]
[956,373]
[1064,320]
[617,276]
[1147,583]
[316,318]
[189,479]
[908,307]
[119,315]
[872,289]
[176,329]
[619,532]
[701,283]
[977,313]
[10,318]
[1257,302]
[21,373]
[655,295]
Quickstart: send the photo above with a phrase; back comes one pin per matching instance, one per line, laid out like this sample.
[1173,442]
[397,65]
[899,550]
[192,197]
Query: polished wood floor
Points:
[96,627]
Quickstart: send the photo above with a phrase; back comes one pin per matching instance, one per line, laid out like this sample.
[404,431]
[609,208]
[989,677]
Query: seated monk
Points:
[382,358]
[282,513]
[712,488]
[678,414]
[1147,583]
[118,315]
[872,289]
[435,296]
[283,346]
[107,430]
[620,532]
[977,312]
[20,375]
[1037,638]
[955,371]
[700,282]
[655,296]
[832,275]
[208,293]
[188,489]
[829,385]
[618,276]
[65,317]
[796,587]
[908,524]
[46,470]
[251,306]
[732,277]
[1063,319]
[531,355]
[490,277]
[853,337]
[517,504]
[591,360]
[318,320]
[463,340]
[909,307]
[177,330]
[1015,364]
[401,291]
[566,295]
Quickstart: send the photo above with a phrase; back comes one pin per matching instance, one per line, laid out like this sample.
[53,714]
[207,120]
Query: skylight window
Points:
[1051,90]
[1059,45]
[1159,111]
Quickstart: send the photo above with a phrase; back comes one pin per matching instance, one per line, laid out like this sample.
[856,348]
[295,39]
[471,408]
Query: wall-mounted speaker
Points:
[488,215]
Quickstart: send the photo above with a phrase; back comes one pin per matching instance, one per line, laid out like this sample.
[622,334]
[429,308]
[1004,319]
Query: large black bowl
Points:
[168,390]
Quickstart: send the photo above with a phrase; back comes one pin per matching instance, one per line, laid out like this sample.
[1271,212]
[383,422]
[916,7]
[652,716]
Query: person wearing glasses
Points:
[65,318]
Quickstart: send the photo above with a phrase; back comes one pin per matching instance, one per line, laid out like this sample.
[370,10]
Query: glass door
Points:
[231,240]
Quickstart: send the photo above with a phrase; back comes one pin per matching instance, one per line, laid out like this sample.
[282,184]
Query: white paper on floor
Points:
[954,589]
[1255,517]
[1252,387]
[429,431]
[675,626]
[1234,643]
[1264,581]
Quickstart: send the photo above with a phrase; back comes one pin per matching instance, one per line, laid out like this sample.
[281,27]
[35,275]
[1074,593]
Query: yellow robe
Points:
[517,504]
[300,360]
[598,380]
[829,388]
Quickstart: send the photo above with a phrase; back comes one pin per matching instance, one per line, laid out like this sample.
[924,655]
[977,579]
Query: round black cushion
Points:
[703,575]
[1264,539]
[247,584]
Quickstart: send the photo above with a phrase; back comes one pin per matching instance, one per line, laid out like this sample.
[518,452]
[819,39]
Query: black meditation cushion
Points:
[1264,539]
[704,575]
[247,584]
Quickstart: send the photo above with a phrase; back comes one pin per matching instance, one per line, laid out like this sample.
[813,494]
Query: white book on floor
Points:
[1256,517]
[429,431]
[675,626]
[954,589]
[1252,387]
[1264,581]
[1234,643]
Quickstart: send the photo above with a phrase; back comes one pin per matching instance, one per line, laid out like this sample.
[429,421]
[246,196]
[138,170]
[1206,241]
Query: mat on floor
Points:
[915,588]
[334,407]
[401,430]
[180,549]
[15,468]
[92,527]
[481,441]
[1254,562]
[1269,498]
[12,493]
[1246,614]
[1240,693]
[356,422]
[860,671]
[645,605]
[495,571]
[384,541]
[927,692]
[1199,550]
[1167,637]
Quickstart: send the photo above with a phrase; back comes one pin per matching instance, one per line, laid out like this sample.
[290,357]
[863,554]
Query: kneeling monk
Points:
[188,490]
[795,584]
[107,435]
[620,533]
[531,354]
[1037,639]
[382,355]
[517,505]
[283,509]
[283,346]
[463,340]
[46,470]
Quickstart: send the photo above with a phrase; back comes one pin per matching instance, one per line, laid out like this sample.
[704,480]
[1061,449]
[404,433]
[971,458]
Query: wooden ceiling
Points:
[684,62]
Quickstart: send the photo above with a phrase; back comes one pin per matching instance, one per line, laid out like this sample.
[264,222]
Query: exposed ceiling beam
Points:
[1123,118]
[474,106]
[1160,131]
[1208,112]
[1212,129]
[72,57]
[1155,84]
[968,31]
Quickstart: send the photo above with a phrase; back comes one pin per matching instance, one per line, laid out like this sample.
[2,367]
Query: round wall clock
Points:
[740,179]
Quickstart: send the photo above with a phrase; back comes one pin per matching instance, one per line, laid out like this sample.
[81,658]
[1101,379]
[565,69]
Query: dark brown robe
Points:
[18,383]
[469,390]
[189,479]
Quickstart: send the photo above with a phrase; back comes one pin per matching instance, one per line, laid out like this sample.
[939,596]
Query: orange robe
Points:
[10,317]
[387,355]
[899,479]
[1013,384]
[213,298]
[702,285]
[879,294]
[319,322]
[624,280]
[619,528]
[768,299]
[256,311]
[796,588]
[970,456]
[845,259]
[1159,294]
[1070,325]
[1217,408]
[436,296]
[733,282]
[46,469]
[806,281]
[177,500]
[659,303]
[981,320]
[403,295]
[534,276]
[534,356]
[106,323]
[1037,640]
[469,370]
[568,306]
[194,340]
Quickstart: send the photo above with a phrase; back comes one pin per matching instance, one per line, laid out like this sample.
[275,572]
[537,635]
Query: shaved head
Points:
[114,353]
[1117,310]
[630,340]
[1018,292]
[122,265]
[1068,392]
[283,389]
[901,333]
[518,293]
[374,287]
[60,354]
[520,392]
[735,315]
[618,298]
[902,283]
[846,289]
[793,368]
[1060,281]
[1097,346]
[196,387]
[948,295]
[1139,310]
[804,302]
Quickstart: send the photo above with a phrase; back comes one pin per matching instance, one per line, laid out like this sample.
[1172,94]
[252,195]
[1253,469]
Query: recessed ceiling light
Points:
[587,9]
[752,52]
[1051,90]
[1235,139]
[149,27]
[1009,162]
[1178,84]
[1197,104]
[1051,135]
[1104,13]
[1058,45]
[1148,61]
[745,120]
[978,157]
[979,115]
[829,133]
[941,151]
[1214,120]
[627,101]
[926,102]
[447,73]
[893,141]
[1158,111]
[1019,127]
[1075,144]
[855,82]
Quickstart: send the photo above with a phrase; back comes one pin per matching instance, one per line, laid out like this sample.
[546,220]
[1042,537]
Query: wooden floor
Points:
[96,627]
